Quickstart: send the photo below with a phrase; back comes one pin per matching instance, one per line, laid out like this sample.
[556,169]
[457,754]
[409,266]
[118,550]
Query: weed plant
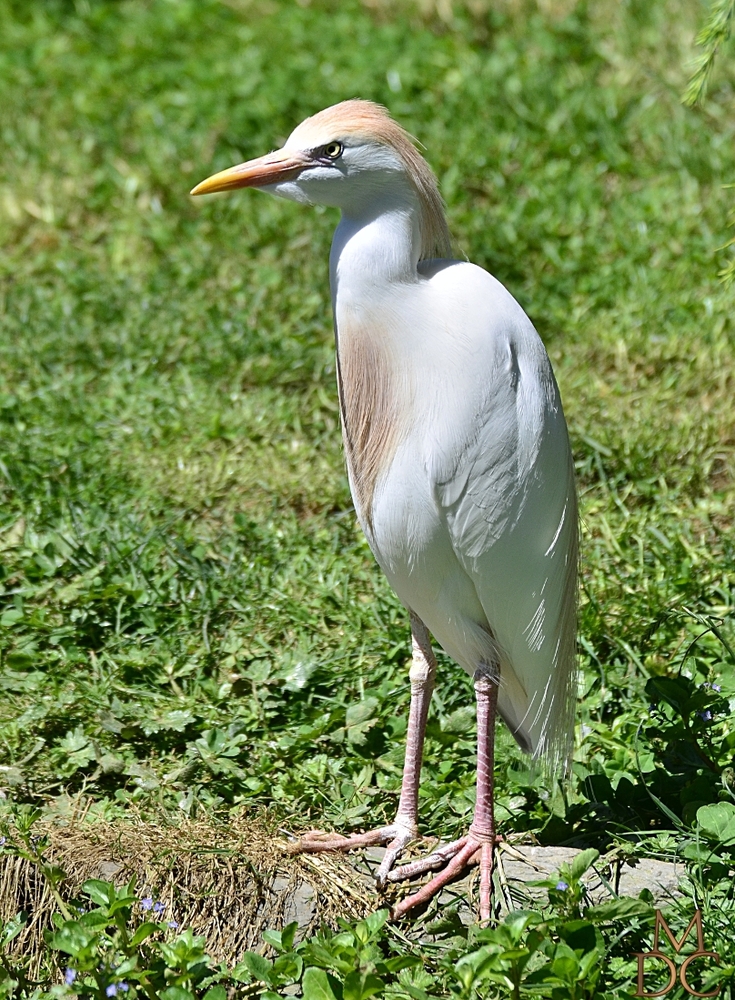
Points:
[190,618]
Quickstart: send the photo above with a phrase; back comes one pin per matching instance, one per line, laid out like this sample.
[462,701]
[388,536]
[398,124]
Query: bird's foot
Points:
[396,837]
[475,848]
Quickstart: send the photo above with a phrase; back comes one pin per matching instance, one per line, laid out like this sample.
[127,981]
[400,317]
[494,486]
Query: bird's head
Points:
[346,156]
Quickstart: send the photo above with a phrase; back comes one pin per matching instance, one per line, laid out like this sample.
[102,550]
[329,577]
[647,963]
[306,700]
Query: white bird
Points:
[458,459]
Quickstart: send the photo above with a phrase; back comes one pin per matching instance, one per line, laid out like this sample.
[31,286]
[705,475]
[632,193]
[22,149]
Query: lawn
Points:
[191,622]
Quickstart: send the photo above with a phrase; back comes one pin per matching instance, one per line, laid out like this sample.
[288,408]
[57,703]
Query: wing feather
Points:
[509,500]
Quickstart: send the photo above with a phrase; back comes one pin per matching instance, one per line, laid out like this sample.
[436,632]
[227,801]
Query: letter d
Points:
[642,956]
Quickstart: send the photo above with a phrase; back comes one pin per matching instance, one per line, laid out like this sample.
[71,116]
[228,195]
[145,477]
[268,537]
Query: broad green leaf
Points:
[13,927]
[481,960]
[128,966]
[215,993]
[274,939]
[287,969]
[288,935]
[566,967]
[77,749]
[581,935]
[102,893]
[717,821]
[617,909]
[700,851]
[460,721]
[296,675]
[318,985]
[120,904]
[176,993]
[400,962]
[72,938]
[670,690]
[517,922]
[258,966]
[357,734]
[414,991]
[360,712]
[357,987]
[583,861]
[143,932]
[339,955]
[374,921]
[144,777]
[175,721]
[590,964]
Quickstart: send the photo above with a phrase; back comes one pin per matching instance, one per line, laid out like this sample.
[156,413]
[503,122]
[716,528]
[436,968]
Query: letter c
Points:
[685,966]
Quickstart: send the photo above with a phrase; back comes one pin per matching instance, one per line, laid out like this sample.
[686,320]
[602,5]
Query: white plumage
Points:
[474,519]
[457,451]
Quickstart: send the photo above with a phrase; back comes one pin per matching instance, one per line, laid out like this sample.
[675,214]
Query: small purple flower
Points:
[123,986]
[562,886]
[147,903]
[3,841]
[69,976]
[158,908]
[111,990]
[706,715]
[716,687]
[173,924]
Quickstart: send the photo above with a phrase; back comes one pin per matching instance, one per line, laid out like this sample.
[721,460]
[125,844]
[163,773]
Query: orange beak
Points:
[283,165]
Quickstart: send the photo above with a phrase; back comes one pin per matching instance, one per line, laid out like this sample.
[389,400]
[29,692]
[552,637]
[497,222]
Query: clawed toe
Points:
[431,862]
[396,837]
[456,858]
[316,841]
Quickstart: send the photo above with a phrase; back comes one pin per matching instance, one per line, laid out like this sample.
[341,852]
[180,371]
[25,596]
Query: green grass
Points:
[190,615]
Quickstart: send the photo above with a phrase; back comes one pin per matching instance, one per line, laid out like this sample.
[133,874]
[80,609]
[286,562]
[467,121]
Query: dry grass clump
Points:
[228,881]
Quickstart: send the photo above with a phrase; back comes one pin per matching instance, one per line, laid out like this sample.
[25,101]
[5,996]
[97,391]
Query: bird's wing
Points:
[506,488]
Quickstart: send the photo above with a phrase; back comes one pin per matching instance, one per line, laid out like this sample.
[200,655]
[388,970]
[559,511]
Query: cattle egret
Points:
[458,459]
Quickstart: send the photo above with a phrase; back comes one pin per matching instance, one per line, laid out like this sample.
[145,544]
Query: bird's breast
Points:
[375,396]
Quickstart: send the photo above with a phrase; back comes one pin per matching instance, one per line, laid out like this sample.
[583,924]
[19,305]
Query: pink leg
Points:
[481,837]
[404,828]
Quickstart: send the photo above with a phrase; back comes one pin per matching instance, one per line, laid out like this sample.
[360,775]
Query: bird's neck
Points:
[374,256]
[375,247]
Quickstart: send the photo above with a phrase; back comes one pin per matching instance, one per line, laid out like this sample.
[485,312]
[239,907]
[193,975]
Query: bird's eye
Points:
[333,150]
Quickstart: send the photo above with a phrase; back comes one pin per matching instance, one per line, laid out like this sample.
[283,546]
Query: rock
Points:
[661,877]
[300,904]
[520,865]
[107,870]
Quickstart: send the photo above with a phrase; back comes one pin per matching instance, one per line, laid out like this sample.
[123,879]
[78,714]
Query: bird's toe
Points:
[316,841]
[453,860]
[402,837]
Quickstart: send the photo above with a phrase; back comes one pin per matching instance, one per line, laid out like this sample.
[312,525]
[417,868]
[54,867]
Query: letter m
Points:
[696,921]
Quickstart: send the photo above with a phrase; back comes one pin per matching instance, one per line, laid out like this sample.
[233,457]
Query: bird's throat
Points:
[376,248]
